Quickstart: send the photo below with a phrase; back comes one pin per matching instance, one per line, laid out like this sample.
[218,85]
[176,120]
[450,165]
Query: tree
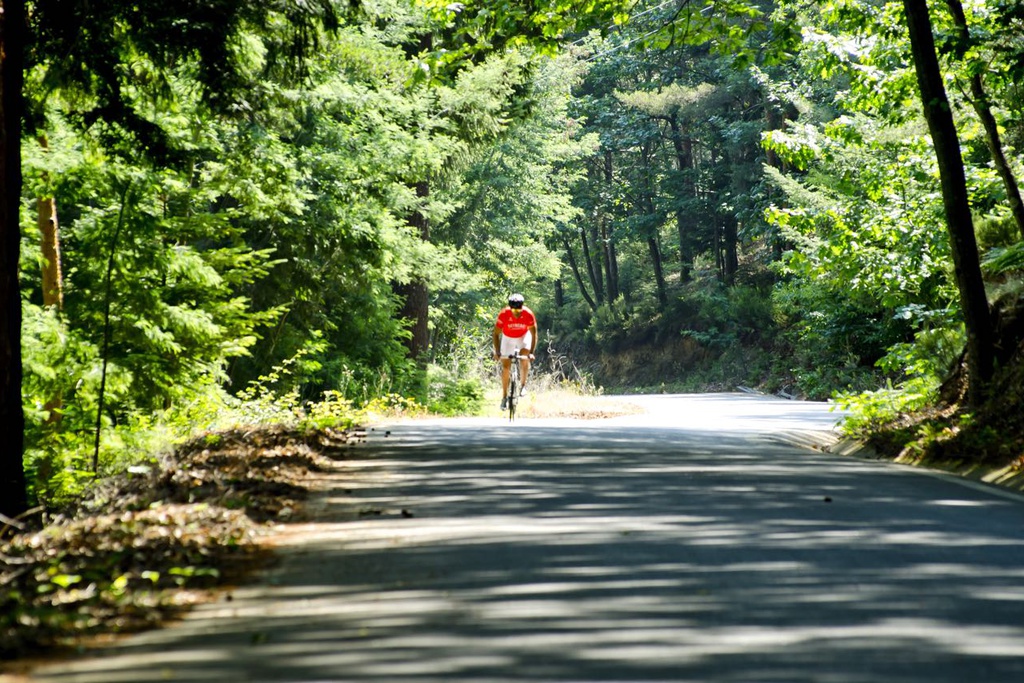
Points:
[108,53]
[509,203]
[938,114]
[464,36]
[982,104]
[13,500]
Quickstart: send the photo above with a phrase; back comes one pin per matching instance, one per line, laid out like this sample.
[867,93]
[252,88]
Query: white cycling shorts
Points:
[510,345]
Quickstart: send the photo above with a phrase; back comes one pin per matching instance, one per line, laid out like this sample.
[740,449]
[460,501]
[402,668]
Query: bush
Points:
[830,341]
[451,394]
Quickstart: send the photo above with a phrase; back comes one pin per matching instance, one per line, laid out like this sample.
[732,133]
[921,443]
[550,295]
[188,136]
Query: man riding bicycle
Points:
[515,332]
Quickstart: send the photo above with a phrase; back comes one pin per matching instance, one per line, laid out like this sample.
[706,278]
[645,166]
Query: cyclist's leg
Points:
[506,371]
[506,365]
[524,373]
[524,362]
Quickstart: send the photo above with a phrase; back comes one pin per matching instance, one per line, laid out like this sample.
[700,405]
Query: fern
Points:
[1004,260]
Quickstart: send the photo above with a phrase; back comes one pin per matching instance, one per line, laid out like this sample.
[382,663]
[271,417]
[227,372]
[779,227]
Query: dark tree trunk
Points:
[654,250]
[597,254]
[983,107]
[574,266]
[414,310]
[973,301]
[684,165]
[415,298]
[730,250]
[593,269]
[13,500]
[659,271]
[719,253]
[607,254]
[611,264]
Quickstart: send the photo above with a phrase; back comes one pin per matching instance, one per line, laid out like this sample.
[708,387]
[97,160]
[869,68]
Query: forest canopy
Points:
[272,210]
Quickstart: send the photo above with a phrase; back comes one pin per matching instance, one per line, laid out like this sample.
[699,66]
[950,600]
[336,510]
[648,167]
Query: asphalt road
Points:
[700,541]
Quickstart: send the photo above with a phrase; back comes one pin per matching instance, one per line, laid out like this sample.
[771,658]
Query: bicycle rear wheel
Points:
[513,391]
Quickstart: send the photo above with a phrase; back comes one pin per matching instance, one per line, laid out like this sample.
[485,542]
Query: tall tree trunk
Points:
[46,219]
[593,270]
[730,250]
[577,275]
[973,301]
[654,249]
[13,499]
[719,252]
[597,253]
[53,280]
[615,267]
[982,105]
[415,309]
[611,263]
[415,298]
[684,166]
[659,271]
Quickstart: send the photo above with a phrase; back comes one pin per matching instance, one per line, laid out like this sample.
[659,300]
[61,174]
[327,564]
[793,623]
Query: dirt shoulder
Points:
[144,547]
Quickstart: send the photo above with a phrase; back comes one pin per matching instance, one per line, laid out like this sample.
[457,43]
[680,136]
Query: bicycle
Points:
[514,383]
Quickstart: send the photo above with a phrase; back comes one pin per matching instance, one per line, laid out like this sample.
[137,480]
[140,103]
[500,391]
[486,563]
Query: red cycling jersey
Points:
[512,326]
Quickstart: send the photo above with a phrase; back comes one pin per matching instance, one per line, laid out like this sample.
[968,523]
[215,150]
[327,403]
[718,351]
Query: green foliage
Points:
[274,398]
[334,411]
[920,367]
[114,61]
[468,29]
[715,316]
[1005,261]
[615,326]
[832,342]
[720,317]
[869,411]
[503,207]
[996,231]
[865,219]
[451,394]
[248,242]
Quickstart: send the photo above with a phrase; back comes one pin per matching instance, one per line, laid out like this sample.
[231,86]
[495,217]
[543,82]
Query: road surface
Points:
[699,541]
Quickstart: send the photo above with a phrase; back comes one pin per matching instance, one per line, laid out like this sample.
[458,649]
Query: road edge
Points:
[1006,478]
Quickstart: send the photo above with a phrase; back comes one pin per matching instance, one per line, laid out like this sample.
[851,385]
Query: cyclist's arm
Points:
[496,339]
[533,338]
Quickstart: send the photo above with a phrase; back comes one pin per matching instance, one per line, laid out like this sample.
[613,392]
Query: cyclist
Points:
[514,332]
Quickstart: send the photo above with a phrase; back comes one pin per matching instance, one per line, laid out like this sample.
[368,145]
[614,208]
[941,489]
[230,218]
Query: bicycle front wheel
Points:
[513,396]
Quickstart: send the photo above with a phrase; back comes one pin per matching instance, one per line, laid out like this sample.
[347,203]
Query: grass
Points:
[547,398]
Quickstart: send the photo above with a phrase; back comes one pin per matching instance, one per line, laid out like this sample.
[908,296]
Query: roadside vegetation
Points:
[286,217]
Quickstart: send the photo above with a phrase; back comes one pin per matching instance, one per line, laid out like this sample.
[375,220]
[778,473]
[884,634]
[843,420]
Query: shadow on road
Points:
[479,551]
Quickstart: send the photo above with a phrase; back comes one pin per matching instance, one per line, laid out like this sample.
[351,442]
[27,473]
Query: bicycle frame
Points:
[513,385]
